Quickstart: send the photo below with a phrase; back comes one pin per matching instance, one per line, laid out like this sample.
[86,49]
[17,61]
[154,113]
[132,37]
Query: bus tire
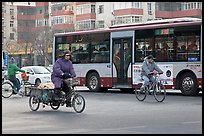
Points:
[188,84]
[93,82]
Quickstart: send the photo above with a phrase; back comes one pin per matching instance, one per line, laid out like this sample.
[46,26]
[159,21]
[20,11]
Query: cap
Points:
[150,57]
[67,53]
[12,60]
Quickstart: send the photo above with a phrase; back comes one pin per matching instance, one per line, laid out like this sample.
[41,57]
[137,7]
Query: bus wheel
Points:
[93,82]
[188,84]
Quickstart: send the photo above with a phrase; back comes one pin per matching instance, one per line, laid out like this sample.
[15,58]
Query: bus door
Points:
[121,58]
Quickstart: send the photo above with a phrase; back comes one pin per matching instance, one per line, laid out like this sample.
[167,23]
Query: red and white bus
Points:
[108,58]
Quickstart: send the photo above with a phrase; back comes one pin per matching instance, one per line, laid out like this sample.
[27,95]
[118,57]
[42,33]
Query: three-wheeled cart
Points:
[45,96]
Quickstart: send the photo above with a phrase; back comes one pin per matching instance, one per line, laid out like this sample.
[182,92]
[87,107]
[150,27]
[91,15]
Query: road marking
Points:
[191,122]
[124,128]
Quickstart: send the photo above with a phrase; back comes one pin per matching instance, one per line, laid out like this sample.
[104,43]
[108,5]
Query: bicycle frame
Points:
[151,84]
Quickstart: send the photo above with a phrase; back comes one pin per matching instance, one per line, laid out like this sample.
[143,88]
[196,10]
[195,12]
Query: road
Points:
[109,112]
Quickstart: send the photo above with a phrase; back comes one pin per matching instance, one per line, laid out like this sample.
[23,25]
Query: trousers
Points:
[146,80]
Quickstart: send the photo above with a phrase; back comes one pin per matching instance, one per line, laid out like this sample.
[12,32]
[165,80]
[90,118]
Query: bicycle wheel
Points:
[7,89]
[34,103]
[140,95]
[159,92]
[54,105]
[78,103]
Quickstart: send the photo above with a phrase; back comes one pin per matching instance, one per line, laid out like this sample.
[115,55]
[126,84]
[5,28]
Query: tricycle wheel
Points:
[78,103]
[34,103]
[54,105]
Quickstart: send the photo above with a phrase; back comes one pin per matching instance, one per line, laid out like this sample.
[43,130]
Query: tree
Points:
[42,41]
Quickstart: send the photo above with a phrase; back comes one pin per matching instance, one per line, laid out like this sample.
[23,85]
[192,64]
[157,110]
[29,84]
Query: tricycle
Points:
[45,96]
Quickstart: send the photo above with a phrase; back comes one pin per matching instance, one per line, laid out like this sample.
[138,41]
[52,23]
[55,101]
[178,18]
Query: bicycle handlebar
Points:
[152,73]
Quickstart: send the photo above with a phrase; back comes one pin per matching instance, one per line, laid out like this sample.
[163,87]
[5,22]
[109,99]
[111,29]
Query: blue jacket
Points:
[61,66]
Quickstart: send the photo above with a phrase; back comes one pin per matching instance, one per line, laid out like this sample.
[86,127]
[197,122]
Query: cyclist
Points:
[12,69]
[62,69]
[148,68]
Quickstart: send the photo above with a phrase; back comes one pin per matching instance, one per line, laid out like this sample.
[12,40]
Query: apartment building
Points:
[25,24]
[178,9]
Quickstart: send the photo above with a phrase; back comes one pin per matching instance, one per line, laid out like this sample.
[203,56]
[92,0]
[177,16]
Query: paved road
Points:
[106,113]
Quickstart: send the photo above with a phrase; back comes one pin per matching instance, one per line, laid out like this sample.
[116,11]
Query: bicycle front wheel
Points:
[34,103]
[140,95]
[78,103]
[7,90]
[159,92]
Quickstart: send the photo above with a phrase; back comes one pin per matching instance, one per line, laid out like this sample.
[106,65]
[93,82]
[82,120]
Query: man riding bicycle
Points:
[12,69]
[62,69]
[148,68]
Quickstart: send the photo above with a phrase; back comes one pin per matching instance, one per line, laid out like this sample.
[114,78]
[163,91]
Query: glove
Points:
[151,73]
[66,75]
[161,73]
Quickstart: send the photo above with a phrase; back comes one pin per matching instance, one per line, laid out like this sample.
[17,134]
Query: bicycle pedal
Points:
[150,93]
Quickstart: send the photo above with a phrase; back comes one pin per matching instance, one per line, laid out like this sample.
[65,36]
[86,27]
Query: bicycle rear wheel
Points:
[140,95]
[78,103]
[7,90]
[159,92]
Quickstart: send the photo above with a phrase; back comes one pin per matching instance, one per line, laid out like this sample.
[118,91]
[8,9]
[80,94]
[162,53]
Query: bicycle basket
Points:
[24,77]
[72,81]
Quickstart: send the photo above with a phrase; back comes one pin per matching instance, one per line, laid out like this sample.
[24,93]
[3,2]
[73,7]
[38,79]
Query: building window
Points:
[11,36]
[190,5]
[11,24]
[199,6]
[11,12]
[85,25]
[68,19]
[93,9]
[85,9]
[101,9]
[136,5]
[126,20]
[100,24]
[149,8]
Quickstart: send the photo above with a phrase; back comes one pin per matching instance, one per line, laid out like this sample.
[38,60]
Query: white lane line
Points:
[191,122]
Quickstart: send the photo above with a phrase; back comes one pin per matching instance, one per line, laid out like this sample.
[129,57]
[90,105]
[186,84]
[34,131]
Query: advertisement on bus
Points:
[166,78]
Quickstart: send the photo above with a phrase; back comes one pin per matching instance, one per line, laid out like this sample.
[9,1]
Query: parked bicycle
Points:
[45,96]
[9,89]
[156,88]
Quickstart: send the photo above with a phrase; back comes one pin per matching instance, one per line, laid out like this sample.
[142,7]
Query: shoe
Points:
[14,92]
[56,97]
[61,94]
[68,104]
[20,93]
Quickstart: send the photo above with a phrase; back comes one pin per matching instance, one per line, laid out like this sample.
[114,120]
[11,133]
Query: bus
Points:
[112,57]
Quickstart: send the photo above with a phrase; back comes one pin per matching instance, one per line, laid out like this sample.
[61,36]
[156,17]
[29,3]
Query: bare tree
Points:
[42,40]
[12,47]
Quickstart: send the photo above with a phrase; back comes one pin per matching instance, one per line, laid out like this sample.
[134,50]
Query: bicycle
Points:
[156,88]
[9,89]
[45,96]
